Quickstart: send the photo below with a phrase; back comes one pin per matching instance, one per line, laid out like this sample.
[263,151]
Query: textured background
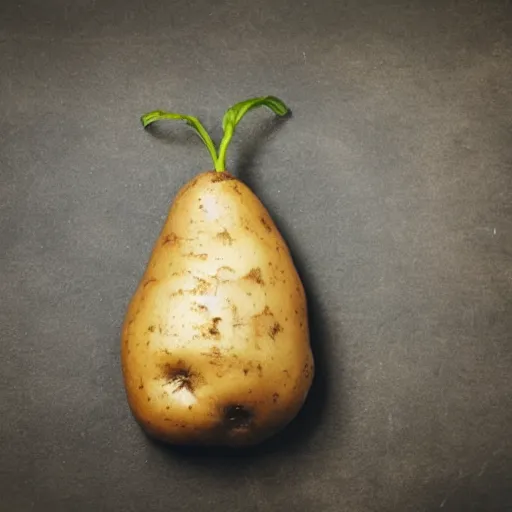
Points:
[392,184]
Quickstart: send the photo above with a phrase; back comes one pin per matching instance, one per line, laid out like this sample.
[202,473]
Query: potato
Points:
[215,343]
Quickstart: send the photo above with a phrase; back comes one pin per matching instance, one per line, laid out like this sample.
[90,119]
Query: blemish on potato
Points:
[213,330]
[199,307]
[236,189]
[202,256]
[260,369]
[215,356]
[246,371]
[148,281]
[151,328]
[224,273]
[265,223]
[225,237]
[222,176]
[210,330]
[180,376]
[170,239]
[202,288]
[215,352]
[275,397]
[255,275]
[274,330]
[237,417]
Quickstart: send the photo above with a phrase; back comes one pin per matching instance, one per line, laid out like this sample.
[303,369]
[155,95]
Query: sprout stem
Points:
[229,122]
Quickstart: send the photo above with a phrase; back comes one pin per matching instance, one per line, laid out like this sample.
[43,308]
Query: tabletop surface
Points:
[391,183]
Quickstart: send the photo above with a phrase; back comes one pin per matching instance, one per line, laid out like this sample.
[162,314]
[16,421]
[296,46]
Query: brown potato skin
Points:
[215,345]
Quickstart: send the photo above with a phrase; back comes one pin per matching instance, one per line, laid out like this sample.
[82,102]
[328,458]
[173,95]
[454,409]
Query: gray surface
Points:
[392,184]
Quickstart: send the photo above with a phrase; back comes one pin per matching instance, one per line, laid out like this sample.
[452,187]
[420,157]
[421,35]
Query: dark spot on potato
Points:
[199,307]
[170,239]
[266,224]
[275,330]
[236,189]
[215,352]
[148,281]
[149,399]
[215,356]
[202,287]
[306,370]
[237,417]
[246,371]
[151,328]
[141,386]
[181,376]
[168,407]
[260,369]
[225,237]
[275,397]
[213,330]
[255,275]
[202,256]
[222,271]
[222,176]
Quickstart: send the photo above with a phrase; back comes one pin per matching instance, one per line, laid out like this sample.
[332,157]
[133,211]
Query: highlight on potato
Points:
[215,346]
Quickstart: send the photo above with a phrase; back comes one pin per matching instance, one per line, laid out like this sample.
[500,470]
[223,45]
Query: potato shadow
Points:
[313,412]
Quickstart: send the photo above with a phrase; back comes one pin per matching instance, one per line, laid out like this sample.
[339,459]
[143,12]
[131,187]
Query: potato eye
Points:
[237,416]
